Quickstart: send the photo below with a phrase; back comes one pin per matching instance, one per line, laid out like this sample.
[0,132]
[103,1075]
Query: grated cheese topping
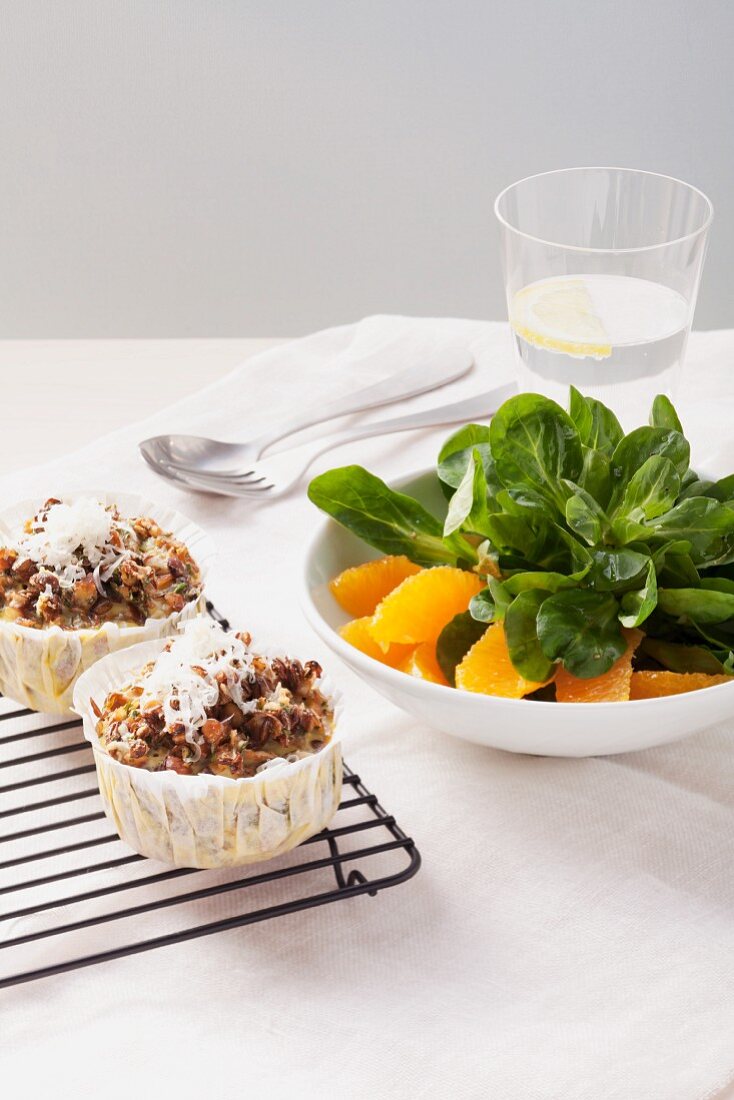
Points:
[183,678]
[71,534]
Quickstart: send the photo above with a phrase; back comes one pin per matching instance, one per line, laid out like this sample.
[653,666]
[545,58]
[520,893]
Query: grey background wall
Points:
[251,167]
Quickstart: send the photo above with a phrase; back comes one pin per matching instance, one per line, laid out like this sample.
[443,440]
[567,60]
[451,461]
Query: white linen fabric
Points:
[571,932]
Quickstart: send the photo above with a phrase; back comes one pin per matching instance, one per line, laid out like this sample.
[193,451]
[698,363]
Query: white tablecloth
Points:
[571,933]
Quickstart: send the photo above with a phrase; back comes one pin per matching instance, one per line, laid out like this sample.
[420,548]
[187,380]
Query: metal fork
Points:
[273,477]
[194,454]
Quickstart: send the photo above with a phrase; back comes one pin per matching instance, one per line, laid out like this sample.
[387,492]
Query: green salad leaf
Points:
[455,641]
[617,569]
[663,415]
[521,631]
[483,607]
[596,475]
[597,425]
[706,524]
[391,522]
[581,628]
[723,489]
[639,604]
[469,506]
[579,531]
[454,456]
[688,658]
[584,516]
[698,605]
[535,444]
[652,490]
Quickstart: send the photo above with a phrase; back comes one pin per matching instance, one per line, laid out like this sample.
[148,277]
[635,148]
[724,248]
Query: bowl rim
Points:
[368,664]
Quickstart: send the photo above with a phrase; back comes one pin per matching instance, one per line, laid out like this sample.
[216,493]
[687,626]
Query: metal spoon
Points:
[276,475]
[198,455]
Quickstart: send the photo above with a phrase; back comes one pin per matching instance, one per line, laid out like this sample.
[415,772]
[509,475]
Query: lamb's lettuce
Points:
[579,530]
[390,521]
[455,641]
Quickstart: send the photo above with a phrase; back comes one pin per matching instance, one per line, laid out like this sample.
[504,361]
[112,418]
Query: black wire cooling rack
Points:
[56,902]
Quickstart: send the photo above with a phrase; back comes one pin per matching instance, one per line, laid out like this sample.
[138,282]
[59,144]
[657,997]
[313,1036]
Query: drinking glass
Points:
[602,267]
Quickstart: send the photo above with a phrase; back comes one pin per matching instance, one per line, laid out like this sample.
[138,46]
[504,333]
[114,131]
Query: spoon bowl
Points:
[197,454]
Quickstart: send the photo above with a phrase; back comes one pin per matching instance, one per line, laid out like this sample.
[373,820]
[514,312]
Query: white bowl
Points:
[516,725]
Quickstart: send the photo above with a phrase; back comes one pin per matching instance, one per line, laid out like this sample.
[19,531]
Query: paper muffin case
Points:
[40,665]
[207,821]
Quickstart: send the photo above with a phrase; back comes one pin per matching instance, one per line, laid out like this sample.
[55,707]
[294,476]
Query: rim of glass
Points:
[604,168]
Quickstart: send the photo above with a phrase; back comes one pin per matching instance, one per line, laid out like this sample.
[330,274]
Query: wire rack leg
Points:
[354,878]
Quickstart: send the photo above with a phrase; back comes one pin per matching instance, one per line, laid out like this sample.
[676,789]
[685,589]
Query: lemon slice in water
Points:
[558,315]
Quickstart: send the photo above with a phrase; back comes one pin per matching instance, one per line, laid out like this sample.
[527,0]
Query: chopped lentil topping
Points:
[81,564]
[210,705]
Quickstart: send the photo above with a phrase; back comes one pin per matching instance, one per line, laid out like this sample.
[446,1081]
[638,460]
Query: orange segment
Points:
[487,668]
[419,608]
[360,589]
[653,685]
[422,663]
[612,687]
[357,633]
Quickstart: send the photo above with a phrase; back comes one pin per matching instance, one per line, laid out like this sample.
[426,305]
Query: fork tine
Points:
[223,486]
[249,488]
[228,475]
[242,479]
[250,491]
[217,476]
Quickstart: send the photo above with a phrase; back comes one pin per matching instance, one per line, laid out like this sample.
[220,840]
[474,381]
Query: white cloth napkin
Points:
[571,933]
